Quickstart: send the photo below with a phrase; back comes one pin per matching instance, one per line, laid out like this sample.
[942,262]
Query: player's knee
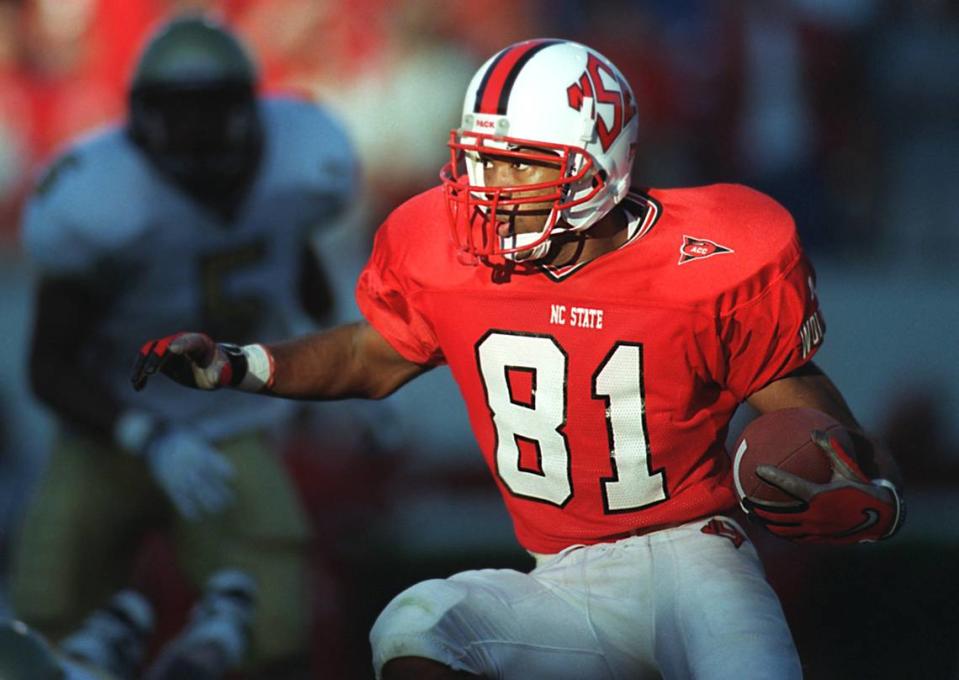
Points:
[417,609]
[411,625]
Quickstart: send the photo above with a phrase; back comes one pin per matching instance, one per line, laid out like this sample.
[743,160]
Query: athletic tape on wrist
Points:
[259,369]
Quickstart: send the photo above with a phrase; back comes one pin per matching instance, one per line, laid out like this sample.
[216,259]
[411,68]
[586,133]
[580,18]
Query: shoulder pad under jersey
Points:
[308,151]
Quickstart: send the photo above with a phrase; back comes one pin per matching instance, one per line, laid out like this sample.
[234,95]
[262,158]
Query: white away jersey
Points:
[104,213]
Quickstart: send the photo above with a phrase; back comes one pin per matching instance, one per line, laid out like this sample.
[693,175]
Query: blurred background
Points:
[847,111]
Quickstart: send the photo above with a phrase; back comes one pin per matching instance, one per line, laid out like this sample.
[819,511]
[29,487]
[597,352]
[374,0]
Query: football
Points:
[782,438]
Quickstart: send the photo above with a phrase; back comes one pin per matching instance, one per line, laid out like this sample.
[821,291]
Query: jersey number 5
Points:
[227,315]
[542,420]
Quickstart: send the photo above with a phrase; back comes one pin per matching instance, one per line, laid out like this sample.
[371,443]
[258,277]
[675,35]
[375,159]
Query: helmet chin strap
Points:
[519,240]
[537,252]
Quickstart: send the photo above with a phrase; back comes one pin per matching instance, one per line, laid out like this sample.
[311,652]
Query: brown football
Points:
[782,438]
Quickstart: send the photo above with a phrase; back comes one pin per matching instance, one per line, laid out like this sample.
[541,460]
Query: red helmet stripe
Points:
[493,93]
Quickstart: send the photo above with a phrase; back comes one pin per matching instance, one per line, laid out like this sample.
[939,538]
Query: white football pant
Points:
[678,603]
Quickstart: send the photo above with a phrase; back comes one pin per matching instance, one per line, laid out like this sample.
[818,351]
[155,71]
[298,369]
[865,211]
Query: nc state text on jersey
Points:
[579,317]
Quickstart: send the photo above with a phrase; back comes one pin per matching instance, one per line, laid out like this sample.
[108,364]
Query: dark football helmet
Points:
[193,109]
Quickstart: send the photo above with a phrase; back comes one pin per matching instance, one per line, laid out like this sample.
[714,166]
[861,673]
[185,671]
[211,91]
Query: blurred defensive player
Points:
[195,213]
[602,338]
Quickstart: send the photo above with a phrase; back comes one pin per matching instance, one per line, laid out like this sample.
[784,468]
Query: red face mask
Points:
[474,207]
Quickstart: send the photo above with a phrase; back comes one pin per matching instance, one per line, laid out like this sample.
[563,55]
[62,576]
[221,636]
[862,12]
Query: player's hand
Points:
[194,475]
[850,508]
[191,359]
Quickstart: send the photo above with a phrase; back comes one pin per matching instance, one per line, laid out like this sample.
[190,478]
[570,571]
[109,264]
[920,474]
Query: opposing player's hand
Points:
[850,508]
[191,359]
[194,475]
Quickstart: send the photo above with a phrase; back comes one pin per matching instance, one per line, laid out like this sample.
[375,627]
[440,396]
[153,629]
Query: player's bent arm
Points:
[861,502]
[810,387]
[353,360]
[66,312]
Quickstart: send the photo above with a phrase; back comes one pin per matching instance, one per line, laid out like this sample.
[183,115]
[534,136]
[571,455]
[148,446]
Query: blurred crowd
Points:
[841,109]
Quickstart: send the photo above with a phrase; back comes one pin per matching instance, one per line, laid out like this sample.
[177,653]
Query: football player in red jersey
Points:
[602,338]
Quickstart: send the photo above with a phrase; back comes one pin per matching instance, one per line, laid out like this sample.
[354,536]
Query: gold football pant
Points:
[92,505]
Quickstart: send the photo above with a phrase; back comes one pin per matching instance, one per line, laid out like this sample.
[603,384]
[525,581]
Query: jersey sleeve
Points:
[775,333]
[388,297]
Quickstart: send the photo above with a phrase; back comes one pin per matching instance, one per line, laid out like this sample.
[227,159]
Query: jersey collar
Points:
[642,212]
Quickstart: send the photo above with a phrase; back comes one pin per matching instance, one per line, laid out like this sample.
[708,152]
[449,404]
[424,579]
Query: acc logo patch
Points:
[699,249]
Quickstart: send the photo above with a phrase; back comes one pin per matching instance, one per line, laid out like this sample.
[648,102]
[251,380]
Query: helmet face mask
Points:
[477,210]
[548,102]
[205,138]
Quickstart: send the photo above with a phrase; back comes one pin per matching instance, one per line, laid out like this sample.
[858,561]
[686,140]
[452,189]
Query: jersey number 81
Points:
[618,381]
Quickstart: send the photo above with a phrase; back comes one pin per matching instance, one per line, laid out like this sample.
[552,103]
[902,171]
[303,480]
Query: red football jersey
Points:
[601,394]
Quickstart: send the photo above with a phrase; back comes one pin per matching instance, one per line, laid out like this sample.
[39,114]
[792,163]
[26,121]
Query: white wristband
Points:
[259,368]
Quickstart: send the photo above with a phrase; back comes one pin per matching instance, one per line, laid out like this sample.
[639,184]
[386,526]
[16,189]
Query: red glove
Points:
[191,359]
[850,508]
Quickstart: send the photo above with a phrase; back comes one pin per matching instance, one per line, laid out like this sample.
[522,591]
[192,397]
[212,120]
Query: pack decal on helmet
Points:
[492,96]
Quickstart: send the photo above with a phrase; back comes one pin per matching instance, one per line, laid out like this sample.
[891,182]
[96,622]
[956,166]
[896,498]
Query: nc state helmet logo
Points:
[590,84]
[699,249]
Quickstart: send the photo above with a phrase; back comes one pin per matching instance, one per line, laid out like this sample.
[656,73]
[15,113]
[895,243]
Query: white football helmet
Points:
[567,102]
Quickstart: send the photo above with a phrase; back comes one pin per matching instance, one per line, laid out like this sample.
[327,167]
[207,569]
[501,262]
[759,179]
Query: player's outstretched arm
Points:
[862,502]
[353,360]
